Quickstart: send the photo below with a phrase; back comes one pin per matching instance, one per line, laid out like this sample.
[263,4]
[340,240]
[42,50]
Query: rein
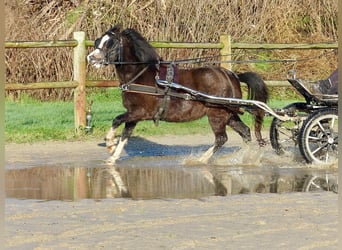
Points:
[204,60]
[136,77]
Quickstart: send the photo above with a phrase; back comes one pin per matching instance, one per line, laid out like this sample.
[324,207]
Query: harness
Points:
[163,88]
[162,110]
[166,89]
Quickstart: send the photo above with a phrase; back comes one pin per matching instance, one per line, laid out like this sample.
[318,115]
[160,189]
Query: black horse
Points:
[138,64]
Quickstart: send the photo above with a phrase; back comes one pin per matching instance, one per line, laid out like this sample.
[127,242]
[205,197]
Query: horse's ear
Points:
[116,29]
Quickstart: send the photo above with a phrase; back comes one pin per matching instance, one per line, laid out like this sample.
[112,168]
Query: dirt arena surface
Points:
[253,221]
[246,221]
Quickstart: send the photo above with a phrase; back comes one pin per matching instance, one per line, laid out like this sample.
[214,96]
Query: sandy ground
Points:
[267,221]
[248,221]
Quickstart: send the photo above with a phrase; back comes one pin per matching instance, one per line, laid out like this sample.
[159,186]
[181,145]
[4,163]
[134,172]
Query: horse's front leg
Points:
[111,141]
[219,142]
[119,147]
[217,120]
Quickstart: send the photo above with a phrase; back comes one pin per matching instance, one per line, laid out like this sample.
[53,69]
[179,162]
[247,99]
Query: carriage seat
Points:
[321,87]
[327,87]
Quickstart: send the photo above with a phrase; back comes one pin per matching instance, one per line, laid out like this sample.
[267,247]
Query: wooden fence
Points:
[80,82]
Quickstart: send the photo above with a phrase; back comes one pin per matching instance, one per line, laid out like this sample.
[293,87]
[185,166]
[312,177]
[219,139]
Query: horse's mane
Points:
[143,51]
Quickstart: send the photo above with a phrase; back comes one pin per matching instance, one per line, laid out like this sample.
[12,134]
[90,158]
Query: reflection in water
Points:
[146,182]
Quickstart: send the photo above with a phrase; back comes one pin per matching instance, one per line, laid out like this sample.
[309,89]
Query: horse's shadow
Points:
[138,146]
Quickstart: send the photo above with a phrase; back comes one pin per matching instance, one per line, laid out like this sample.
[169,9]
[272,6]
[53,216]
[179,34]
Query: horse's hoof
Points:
[110,162]
[247,140]
[262,143]
[111,142]
[111,149]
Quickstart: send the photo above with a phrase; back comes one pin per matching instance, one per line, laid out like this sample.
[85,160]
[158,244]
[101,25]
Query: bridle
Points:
[117,49]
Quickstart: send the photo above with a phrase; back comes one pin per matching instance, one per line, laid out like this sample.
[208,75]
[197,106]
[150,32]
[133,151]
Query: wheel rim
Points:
[321,139]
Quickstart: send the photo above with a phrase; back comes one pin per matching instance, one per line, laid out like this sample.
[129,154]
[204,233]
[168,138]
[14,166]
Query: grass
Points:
[30,120]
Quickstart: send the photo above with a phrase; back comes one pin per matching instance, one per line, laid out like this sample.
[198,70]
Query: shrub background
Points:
[252,21]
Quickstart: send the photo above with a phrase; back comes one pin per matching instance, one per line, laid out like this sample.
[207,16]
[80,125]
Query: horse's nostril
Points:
[90,58]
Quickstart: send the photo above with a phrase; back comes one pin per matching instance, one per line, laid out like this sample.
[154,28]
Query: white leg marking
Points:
[111,142]
[208,176]
[206,156]
[118,181]
[110,135]
[118,150]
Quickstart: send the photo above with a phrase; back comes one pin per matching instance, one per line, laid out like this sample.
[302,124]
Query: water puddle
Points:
[163,177]
[148,170]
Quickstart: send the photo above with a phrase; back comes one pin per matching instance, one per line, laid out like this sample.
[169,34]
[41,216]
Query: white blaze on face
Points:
[104,39]
[96,54]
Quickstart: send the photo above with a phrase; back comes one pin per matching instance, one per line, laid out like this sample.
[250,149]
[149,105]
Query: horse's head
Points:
[107,48]
[121,47]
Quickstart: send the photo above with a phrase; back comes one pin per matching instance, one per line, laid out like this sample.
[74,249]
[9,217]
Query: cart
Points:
[311,126]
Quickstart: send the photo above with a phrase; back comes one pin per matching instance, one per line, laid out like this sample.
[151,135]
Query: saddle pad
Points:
[163,72]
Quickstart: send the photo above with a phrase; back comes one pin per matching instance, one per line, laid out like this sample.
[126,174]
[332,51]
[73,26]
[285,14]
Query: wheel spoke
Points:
[320,125]
[313,138]
[327,157]
[315,185]
[285,131]
[319,148]
[332,123]
[318,139]
[323,130]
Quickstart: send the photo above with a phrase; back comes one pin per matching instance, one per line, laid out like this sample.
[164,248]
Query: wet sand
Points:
[251,221]
[245,221]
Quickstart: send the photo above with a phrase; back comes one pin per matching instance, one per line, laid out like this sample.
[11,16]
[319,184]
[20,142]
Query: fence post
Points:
[80,76]
[226,51]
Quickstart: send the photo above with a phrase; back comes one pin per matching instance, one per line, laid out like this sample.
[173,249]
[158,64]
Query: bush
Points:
[262,21]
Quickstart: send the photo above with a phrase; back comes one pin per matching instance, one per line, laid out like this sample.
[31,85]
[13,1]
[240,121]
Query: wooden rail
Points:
[79,82]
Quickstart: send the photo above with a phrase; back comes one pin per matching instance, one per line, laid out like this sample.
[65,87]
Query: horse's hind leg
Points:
[259,118]
[242,129]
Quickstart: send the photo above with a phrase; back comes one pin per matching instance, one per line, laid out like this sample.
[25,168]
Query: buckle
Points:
[124,87]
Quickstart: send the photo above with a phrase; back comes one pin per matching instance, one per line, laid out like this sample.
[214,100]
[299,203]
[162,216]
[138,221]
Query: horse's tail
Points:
[257,89]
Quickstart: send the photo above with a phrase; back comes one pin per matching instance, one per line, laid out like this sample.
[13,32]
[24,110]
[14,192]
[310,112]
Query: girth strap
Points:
[162,110]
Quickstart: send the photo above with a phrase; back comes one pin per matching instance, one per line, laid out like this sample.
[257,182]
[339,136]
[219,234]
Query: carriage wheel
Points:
[284,134]
[318,138]
[314,183]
